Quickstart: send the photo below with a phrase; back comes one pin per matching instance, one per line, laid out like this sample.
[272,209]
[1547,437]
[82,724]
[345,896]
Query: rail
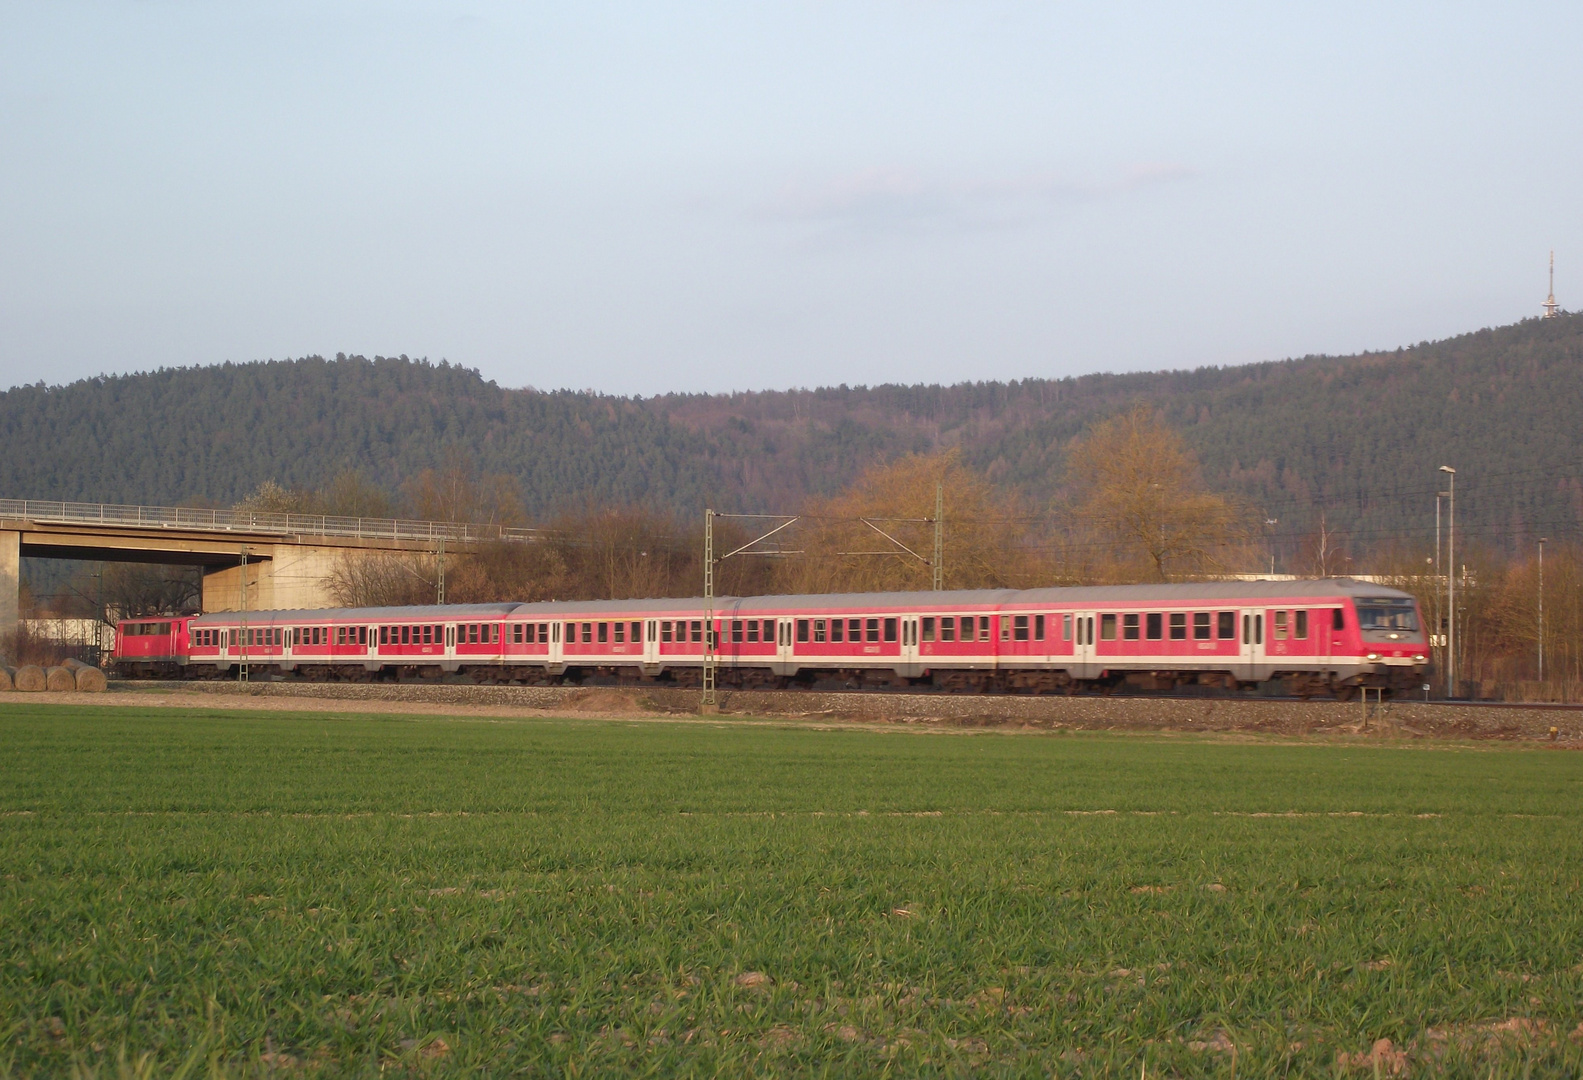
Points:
[182,517]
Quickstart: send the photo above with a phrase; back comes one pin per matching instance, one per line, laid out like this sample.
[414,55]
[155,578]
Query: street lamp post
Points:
[1542,541]
[1451,581]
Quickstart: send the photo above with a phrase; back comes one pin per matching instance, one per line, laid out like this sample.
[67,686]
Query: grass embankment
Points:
[350,895]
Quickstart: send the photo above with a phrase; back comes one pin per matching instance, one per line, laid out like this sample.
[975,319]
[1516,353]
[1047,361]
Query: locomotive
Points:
[1307,637]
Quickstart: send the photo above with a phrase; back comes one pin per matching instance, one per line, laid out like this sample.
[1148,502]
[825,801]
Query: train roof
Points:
[417,613]
[1316,588]
[551,609]
[1180,592]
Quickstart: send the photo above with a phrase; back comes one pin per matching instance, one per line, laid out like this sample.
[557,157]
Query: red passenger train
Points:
[1321,636]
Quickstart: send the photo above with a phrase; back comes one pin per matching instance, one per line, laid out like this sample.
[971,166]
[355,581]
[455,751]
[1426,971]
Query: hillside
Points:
[1359,436]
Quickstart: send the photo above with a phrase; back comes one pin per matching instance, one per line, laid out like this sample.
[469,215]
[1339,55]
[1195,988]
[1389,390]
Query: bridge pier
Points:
[279,577]
[10,580]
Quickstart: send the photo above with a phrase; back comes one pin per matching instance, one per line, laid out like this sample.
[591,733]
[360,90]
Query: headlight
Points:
[1420,657]
[1372,656]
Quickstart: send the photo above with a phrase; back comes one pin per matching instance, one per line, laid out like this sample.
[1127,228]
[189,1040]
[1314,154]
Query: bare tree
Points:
[1135,484]
[878,534]
[383,579]
[455,492]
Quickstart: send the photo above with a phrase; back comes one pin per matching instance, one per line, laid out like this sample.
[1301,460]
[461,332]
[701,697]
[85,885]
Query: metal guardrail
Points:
[181,517]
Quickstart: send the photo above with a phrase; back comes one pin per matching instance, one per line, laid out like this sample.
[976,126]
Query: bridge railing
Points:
[182,517]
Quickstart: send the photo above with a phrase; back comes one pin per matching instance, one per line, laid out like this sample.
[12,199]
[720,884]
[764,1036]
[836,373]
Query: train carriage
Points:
[1329,635]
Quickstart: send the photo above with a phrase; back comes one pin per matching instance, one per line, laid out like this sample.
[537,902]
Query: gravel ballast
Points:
[1088,713]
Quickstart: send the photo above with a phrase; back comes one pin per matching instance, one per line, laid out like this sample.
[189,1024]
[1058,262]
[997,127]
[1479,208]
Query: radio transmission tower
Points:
[1552,309]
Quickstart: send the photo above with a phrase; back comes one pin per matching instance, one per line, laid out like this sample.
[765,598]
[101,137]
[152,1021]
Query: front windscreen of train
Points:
[1387,613]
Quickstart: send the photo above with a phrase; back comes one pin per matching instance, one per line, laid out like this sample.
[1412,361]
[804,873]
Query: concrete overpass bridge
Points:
[286,557]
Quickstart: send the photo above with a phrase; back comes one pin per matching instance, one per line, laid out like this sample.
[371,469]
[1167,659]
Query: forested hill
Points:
[1360,436]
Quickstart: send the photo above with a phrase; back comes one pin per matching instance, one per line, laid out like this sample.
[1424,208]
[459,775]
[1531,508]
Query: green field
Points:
[349,895]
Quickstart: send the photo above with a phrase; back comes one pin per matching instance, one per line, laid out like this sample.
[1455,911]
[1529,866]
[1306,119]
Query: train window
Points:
[571,633]
[621,633]
[819,631]
[769,630]
[1280,626]
[854,630]
[384,635]
[928,627]
[1005,628]
[544,633]
[697,630]
[968,624]
[802,629]
[1019,627]
[588,632]
[1154,626]
[1228,625]
[1301,629]
[1107,627]
[1178,626]
[340,635]
[736,631]
[1129,627]
[753,631]
[1258,629]
[1338,621]
[604,633]
[890,629]
[1066,628]
[871,630]
[362,635]
[406,635]
[516,634]
[1038,628]
[983,628]
[431,634]
[837,630]
[665,631]
[439,635]
[948,628]
[1200,626]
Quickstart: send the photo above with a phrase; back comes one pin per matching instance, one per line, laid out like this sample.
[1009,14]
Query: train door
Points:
[783,639]
[450,640]
[909,639]
[651,641]
[1252,649]
[1083,658]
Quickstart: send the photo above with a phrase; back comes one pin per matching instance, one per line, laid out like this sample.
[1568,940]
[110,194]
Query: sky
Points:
[641,198]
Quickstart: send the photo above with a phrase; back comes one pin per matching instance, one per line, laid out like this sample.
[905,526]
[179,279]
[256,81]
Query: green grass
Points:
[351,895]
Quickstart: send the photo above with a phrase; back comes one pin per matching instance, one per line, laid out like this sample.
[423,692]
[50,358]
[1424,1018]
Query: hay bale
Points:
[59,680]
[90,680]
[30,679]
[7,679]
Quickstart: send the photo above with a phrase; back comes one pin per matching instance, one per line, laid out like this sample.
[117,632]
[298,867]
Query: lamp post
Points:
[1451,581]
[1542,541]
